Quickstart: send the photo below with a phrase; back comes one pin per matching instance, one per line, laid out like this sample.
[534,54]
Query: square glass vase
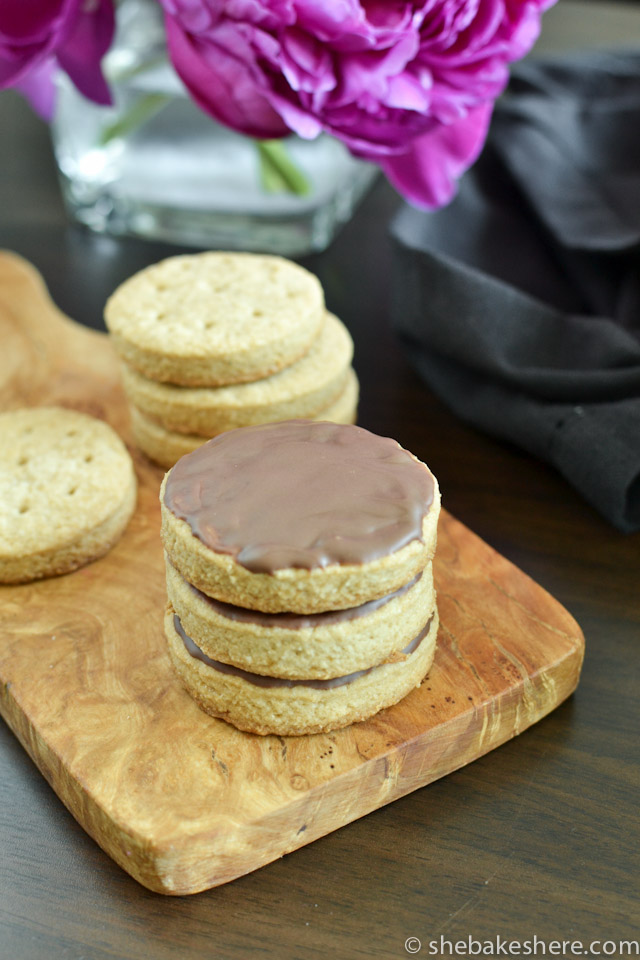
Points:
[154,165]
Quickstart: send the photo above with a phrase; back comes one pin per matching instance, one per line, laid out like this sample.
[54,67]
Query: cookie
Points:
[299,517]
[67,492]
[210,319]
[165,447]
[263,705]
[294,646]
[299,575]
[301,390]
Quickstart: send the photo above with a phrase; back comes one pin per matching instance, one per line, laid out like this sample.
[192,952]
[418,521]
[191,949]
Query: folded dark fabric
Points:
[520,302]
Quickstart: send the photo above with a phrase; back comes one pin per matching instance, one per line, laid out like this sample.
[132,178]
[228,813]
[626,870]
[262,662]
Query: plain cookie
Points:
[165,447]
[301,390]
[215,318]
[67,491]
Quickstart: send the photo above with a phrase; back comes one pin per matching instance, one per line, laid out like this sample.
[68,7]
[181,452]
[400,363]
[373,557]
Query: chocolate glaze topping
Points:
[259,680]
[296,621]
[301,494]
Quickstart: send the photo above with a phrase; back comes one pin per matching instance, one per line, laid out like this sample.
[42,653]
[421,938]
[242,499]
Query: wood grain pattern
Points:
[184,802]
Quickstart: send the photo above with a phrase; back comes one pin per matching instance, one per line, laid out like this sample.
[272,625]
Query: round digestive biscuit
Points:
[299,516]
[265,705]
[215,318]
[67,492]
[301,390]
[320,646]
[165,447]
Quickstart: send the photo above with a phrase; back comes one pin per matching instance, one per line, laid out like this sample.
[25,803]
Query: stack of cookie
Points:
[299,575]
[214,341]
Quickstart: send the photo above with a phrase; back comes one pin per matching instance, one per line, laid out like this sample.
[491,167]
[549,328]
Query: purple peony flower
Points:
[38,35]
[409,85]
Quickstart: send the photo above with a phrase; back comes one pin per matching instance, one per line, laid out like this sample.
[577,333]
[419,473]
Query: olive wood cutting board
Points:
[180,800]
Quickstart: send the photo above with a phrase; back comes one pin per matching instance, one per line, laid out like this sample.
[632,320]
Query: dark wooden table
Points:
[539,838]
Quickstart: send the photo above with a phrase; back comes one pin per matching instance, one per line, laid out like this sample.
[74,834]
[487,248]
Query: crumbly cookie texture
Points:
[165,447]
[215,318]
[67,491]
[301,390]
[335,587]
[320,646]
[300,709]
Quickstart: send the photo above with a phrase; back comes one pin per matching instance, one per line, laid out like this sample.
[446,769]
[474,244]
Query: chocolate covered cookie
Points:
[263,704]
[299,517]
[298,646]
[299,575]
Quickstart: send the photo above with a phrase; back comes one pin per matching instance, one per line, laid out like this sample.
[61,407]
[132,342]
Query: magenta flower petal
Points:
[27,24]
[227,91]
[428,172]
[83,48]
[38,87]
[35,35]
[406,83]
[29,33]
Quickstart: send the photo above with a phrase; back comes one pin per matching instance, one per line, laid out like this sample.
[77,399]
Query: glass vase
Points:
[154,165]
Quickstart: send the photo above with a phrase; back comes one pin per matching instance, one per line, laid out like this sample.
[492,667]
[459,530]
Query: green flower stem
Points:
[138,69]
[141,111]
[278,172]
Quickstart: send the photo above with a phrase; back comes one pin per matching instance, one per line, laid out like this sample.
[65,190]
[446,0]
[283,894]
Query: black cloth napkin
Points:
[520,302]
